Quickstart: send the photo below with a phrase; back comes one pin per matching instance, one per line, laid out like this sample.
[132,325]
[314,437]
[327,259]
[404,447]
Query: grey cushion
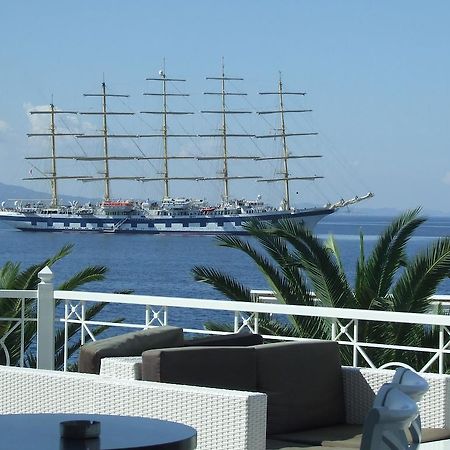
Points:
[348,436]
[303,383]
[343,435]
[273,444]
[221,367]
[237,339]
[128,344]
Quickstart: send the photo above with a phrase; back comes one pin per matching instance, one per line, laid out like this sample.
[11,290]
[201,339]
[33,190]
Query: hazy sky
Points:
[377,77]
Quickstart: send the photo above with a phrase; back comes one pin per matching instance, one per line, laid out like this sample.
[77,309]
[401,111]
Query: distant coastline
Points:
[13,192]
[389,212]
[9,191]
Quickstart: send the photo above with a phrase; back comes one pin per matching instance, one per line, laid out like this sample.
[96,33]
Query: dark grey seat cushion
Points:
[303,383]
[221,367]
[348,436]
[238,339]
[273,444]
[128,344]
[342,435]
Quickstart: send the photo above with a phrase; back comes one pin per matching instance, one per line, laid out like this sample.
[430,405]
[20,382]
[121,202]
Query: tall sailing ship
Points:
[171,214]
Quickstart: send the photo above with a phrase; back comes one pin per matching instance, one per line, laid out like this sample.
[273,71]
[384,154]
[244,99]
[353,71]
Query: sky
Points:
[376,74]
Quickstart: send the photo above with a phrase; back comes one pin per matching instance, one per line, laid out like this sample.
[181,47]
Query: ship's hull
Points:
[134,224]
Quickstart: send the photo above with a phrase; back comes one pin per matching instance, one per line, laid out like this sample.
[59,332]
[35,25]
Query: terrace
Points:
[243,413]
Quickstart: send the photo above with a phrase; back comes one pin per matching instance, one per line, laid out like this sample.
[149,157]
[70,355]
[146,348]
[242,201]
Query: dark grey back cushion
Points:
[223,340]
[128,344]
[220,367]
[303,383]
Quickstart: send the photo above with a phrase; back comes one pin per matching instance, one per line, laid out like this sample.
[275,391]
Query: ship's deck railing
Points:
[158,311]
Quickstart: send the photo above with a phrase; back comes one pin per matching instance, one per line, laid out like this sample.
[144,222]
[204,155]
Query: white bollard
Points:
[45,321]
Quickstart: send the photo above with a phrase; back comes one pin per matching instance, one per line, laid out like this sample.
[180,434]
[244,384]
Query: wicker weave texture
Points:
[223,419]
[361,385]
[128,367]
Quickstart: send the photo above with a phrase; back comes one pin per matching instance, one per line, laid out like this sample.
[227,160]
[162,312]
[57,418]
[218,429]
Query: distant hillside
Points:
[11,192]
[390,212]
[364,211]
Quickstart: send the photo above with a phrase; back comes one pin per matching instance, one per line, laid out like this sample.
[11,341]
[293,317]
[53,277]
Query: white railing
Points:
[16,324]
[159,311]
[42,313]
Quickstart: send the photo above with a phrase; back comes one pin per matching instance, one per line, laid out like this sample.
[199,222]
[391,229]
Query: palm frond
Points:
[223,283]
[8,275]
[29,278]
[87,275]
[12,278]
[388,254]
[287,264]
[422,277]
[360,278]
[275,279]
[331,246]
[329,283]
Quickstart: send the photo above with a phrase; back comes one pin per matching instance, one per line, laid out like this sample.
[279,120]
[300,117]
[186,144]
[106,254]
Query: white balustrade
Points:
[158,311]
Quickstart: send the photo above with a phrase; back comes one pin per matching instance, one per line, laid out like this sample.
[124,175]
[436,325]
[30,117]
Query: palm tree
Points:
[295,262]
[12,277]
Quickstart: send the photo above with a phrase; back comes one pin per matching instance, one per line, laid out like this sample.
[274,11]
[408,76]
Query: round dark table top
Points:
[42,431]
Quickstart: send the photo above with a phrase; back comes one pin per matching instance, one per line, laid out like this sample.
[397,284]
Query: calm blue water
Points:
[161,264]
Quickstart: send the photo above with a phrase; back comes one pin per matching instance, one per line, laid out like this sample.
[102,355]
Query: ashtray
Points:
[79,429]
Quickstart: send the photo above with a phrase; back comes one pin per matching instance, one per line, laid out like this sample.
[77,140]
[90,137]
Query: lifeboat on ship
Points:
[117,206]
[207,210]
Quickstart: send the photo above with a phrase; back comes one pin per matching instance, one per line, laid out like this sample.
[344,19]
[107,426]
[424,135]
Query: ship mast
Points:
[53,134]
[286,156]
[224,111]
[165,112]
[224,136]
[105,136]
[105,142]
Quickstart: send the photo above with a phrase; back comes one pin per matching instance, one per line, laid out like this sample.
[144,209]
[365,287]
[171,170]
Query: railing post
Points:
[441,348]
[355,342]
[45,321]
[333,329]
[256,331]
[166,315]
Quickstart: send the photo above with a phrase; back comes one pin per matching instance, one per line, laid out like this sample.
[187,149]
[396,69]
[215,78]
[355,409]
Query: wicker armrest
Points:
[127,367]
[361,385]
[224,419]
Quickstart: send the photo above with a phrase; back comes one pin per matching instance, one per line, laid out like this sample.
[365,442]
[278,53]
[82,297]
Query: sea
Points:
[162,264]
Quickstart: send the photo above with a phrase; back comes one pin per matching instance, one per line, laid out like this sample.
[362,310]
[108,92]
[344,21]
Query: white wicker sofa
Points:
[224,419]
[312,400]
[360,387]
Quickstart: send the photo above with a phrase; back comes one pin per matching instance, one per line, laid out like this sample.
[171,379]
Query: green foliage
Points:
[295,262]
[12,277]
